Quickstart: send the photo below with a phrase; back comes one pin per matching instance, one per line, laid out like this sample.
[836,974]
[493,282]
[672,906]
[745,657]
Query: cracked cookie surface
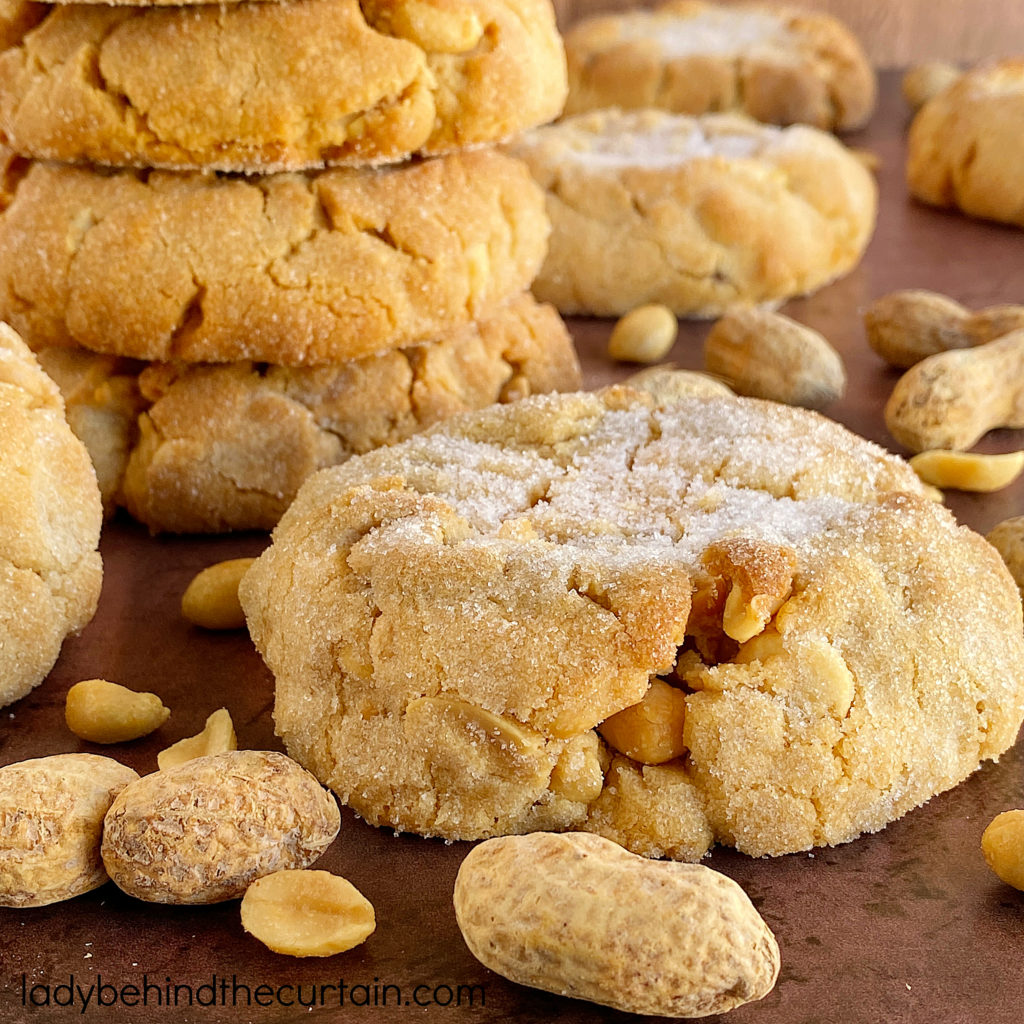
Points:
[218,447]
[50,568]
[288,268]
[966,144]
[275,86]
[452,620]
[778,64]
[695,213]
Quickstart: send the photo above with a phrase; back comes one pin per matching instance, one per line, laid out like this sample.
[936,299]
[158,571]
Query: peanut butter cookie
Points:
[192,448]
[966,144]
[778,64]
[275,86]
[454,621]
[287,268]
[694,213]
[50,568]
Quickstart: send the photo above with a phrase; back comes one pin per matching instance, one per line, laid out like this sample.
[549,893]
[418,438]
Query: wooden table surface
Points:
[906,925]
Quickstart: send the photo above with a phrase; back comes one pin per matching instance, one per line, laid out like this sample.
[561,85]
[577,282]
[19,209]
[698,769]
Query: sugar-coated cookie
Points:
[454,620]
[286,268]
[696,213]
[966,145]
[192,448]
[50,515]
[275,86]
[776,63]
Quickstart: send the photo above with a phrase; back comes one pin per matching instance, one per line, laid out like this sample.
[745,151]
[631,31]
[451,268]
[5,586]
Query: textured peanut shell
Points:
[578,915]
[952,399]
[51,818]
[201,831]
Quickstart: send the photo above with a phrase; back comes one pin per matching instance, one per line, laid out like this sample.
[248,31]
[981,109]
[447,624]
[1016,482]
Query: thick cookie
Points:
[451,618]
[276,86]
[696,213]
[288,268]
[225,447]
[778,64]
[50,568]
[966,145]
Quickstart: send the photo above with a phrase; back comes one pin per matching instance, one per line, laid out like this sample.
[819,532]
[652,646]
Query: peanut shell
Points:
[578,915]
[202,831]
[51,817]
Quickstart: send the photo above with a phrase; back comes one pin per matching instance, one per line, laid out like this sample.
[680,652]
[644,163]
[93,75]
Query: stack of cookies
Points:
[249,240]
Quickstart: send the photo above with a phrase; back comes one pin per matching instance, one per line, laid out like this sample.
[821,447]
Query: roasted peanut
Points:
[1002,843]
[967,471]
[644,335]
[766,355]
[211,599]
[923,81]
[217,736]
[907,326]
[577,774]
[103,712]
[306,913]
[202,831]
[578,915]
[650,731]
[51,818]
[952,399]
[1007,538]
[666,384]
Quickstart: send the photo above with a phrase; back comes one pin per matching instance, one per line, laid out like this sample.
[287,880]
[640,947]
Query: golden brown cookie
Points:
[50,568]
[778,64]
[450,619]
[695,213]
[966,144]
[289,268]
[225,447]
[276,86]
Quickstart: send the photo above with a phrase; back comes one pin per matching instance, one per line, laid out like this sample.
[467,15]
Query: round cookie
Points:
[288,268]
[50,568]
[277,86]
[778,64]
[966,144]
[453,619]
[209,448]
[696,213]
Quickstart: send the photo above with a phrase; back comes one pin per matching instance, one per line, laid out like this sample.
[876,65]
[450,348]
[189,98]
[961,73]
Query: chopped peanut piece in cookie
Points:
[650,732]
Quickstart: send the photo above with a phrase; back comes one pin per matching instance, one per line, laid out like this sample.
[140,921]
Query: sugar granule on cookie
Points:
[451,620]
[695,213]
